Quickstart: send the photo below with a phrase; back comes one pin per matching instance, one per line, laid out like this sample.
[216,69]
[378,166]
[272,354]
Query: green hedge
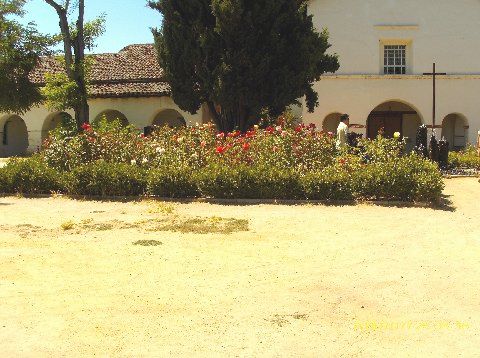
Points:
[106,179]
[244,182]
[30,176]
[408,178]
[467,159]
[172,183]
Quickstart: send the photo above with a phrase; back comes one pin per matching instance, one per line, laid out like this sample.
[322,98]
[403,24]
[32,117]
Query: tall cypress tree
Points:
[241,57]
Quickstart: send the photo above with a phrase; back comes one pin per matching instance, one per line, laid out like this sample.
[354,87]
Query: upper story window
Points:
[394,59]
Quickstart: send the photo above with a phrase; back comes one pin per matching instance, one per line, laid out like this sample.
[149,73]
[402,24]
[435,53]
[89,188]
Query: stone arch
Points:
[331,122]
[111,115]
[170,118]
[53,121]
[395,116]
[14,136]
[455,130]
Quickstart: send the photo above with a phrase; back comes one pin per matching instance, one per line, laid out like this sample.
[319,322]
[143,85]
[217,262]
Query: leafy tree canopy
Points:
[20,50]
[241,57]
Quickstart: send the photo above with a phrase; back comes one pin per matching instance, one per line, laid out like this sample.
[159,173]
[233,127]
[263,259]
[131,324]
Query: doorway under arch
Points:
[394,116]
[170,118]
[331,122]
[54,121]
[14,136]
[455,131]
[111,115]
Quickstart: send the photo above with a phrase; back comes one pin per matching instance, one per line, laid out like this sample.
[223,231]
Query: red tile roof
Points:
[133,72]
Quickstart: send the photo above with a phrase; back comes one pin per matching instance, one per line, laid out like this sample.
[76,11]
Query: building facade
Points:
[128,86]
[385,47]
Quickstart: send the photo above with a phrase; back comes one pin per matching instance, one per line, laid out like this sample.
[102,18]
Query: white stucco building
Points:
[128,85]
[384,47]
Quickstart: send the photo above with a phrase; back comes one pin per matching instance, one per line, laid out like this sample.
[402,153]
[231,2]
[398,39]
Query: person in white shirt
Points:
[342,131]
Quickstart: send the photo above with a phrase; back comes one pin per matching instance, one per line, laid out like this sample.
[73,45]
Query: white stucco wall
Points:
[441,31]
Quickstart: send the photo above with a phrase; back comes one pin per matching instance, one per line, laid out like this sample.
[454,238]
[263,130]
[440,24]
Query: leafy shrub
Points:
[466,159]
[107,179]
[332,183]
[408,178]
[243,182]
[172,183]
[301,147]
[4,182]
[30,176]
[381,149]
[275,163]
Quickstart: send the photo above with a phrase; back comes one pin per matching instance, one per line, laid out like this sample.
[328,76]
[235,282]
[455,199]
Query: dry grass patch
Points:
[148,243]
[67,225]
[199,225]
[161,208]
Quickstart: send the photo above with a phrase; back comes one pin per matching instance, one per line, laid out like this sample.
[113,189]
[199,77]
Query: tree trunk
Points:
[82,114]
[230,119]
[74,61]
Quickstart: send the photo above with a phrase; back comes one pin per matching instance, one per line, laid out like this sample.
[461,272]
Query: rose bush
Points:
[300,148]
[276,162]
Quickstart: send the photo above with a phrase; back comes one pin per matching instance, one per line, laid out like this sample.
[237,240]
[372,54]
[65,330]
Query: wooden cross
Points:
[434,74]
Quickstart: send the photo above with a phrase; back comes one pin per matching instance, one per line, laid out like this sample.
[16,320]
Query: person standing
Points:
[342,131]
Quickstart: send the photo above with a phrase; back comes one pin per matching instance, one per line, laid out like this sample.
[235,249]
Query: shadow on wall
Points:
[455,131]
[169,117]
[14,137]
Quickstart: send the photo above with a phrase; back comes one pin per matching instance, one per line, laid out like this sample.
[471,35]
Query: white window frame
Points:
[395,59]
[401,45]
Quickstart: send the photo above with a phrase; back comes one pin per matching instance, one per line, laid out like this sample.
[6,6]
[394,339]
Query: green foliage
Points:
[107,179]
[408,178]
[241,57]
[20,51]
[170,182]
[61,92]
[92,30]
[466,159]
[381,149]
[331,183]
[30,176]
[274,163]
[243,182]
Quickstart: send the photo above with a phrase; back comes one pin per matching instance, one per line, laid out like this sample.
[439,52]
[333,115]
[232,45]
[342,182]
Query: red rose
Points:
[220,150]
[246,146]
[86,127]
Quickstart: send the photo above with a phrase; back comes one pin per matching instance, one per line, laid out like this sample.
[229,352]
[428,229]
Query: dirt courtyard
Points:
[140,279]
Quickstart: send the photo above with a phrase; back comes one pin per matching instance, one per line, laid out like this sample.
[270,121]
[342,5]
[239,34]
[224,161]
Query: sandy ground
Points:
[314,281]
